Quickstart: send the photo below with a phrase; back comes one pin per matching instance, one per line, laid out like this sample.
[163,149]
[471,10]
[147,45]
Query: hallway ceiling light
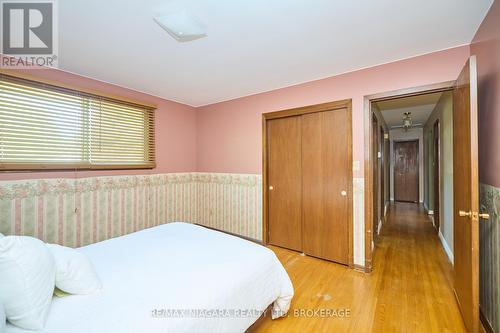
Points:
[407,122]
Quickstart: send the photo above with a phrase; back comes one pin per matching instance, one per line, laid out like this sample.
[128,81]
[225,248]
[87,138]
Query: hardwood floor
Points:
[409,289]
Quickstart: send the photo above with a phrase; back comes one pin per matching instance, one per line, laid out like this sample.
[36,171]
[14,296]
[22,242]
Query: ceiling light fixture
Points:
[181,25]
[407,122]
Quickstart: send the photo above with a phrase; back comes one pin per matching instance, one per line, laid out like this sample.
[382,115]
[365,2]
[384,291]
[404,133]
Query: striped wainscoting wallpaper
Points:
[231,203]
[77,212]
[489,254]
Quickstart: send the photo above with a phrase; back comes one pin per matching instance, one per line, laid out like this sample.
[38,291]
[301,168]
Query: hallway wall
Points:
[444,112]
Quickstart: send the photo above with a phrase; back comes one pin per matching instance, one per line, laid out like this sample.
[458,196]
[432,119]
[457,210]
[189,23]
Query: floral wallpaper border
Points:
[29,188]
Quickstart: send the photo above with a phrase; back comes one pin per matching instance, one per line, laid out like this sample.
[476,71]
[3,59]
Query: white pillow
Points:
[27,278]
[2,318]
[75,273]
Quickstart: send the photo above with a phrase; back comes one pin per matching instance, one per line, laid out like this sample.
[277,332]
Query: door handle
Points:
[484,216]
[463,213]
[343,193]
[271,188]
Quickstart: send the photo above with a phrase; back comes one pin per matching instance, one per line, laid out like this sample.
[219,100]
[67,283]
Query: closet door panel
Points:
[325,182]
[285,183]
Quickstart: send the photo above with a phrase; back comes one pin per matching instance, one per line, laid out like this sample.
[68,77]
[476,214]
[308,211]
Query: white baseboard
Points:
[379,226]
[446,248]
[430,212]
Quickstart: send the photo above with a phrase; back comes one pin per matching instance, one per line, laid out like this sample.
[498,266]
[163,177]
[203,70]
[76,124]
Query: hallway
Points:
[409,289]
[415,276]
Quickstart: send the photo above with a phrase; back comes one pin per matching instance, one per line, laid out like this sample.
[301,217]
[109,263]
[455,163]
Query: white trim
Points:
[379,226]
[446,248]
[430,212]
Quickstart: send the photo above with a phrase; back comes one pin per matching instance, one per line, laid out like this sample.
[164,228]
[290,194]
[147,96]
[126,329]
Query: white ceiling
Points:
[254,45]
[420,107]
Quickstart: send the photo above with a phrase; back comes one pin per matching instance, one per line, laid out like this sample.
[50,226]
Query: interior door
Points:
[437,174]
[285,185]
[382,173]
[466,195]
[327,173]
[406,168]
[376,187]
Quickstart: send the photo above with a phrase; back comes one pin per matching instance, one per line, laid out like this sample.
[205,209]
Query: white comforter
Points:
[151,275]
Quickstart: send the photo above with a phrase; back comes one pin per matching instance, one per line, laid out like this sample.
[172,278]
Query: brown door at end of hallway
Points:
[406,171]
[285,174]
[437,174]
[326,164]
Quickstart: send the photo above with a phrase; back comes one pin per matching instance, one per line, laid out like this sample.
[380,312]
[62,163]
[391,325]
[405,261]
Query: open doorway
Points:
[379,182]
[411,139]
[411,121]
[419,133]
[450,172]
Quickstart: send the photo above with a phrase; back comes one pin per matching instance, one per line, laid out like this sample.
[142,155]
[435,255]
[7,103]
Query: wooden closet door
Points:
[326,167]
[285,183]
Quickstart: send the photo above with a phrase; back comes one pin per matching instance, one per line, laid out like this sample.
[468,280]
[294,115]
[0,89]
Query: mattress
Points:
[177,277]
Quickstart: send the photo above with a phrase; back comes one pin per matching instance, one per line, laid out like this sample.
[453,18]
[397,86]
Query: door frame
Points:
[368,162]
[330,106]
[394,142]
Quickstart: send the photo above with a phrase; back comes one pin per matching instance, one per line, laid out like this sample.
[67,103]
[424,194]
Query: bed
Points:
[177,277]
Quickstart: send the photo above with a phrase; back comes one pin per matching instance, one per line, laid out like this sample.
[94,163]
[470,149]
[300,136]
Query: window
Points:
[48,127]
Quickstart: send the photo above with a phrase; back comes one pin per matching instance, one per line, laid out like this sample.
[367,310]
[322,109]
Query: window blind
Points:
[47,127]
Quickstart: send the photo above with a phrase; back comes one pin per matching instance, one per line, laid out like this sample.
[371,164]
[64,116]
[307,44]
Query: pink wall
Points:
[229,133]
[175,130]
[226,137]
[486,46]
